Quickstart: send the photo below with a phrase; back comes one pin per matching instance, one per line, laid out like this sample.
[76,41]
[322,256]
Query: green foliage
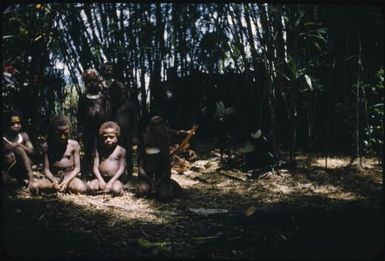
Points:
[70,106]
[308,52]
[374,131]
[213,47]
[35,88]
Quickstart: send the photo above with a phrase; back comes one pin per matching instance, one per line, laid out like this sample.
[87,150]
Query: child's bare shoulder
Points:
[44,146]
[73,143]
[24,135]
[121,149]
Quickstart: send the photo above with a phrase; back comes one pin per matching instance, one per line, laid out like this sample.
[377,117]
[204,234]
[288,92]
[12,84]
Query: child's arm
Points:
[141,172]
[177,135]
[76,153]
[122,166]
[47,172]
[166,167]
[80,115]
[28,147]
[134,125]
[96,171]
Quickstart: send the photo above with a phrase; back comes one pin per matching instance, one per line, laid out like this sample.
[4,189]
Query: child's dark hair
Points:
[7,115]
[118,90]
[57,121]
[158,130]
[109,124]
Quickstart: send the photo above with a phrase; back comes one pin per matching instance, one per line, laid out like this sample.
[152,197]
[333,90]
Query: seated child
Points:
[17,152]
[154,163]
[109,161]
[61,160]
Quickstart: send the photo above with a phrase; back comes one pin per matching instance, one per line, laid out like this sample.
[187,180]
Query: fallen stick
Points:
[116,206]
[199,179]
[232,176]
[195,176]
[127,209]
[207,238]
[183,146]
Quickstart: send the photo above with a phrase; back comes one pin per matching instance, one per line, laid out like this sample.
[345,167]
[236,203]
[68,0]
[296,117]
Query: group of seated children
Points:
[62,159]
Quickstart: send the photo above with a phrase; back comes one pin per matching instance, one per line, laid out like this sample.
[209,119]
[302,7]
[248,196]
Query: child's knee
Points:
[142,189]
[43,186]
[177,188]
[34,188]
[117,189]
[7,179]
[93,186]
[166,191]
[19,151]
[82,189]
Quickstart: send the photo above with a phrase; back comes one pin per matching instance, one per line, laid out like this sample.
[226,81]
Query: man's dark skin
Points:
[106,71]
[121,110]
[154,166]
[92,112]
[124,112]
[17,151]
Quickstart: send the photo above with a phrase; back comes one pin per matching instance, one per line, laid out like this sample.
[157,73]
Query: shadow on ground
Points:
[323,228]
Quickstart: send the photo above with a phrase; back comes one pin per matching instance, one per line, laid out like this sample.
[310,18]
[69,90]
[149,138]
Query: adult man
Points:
[92,112]
[124,112]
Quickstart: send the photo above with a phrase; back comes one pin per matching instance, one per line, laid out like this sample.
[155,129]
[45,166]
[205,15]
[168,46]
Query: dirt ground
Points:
[301,213]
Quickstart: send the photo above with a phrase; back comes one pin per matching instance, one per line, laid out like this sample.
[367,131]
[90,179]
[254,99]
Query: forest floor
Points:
[307,212]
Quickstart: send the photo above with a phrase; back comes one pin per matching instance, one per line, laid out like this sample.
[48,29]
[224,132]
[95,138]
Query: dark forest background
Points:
[310,76]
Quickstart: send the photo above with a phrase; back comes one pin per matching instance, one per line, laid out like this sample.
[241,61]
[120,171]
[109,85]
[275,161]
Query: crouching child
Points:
[17,152]
[109,161]
[61,160]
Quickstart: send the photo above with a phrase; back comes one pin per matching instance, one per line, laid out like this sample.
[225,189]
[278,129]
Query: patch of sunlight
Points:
[270,200]
[327,191]
[224,183]
[331,163]
[184,182]
[278,188]
[127,206]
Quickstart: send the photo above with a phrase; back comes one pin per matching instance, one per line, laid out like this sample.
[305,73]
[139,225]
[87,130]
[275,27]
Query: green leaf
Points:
[286,77]
[256,135]
[302,13]
[350,57]
[292,66]
[318,36]
[308,23]
[322,30]
[205,238]
[147,244]
[308,81]
[248,147]
[317,46]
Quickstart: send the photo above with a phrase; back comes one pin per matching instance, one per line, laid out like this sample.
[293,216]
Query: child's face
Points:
[15,124]
[109,137]
[62,134]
